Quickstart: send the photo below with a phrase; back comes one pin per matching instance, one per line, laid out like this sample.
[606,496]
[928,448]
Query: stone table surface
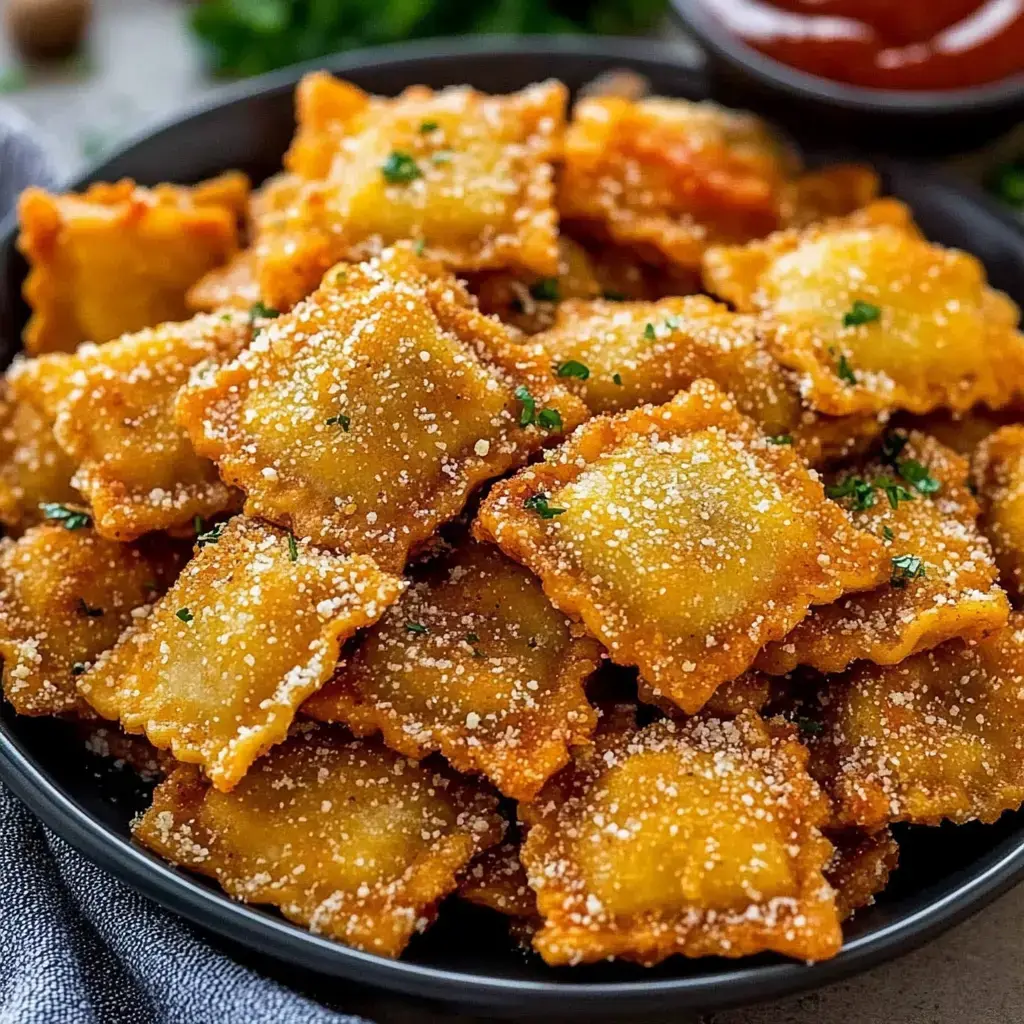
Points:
[140,66]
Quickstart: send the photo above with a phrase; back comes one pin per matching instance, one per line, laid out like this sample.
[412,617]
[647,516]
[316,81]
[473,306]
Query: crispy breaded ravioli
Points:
[497,880]
[860,867]
[120,257]
[938,736]
[365,417]
[66,594]
[232,285]
[670,177]
[835,190]
[251,628]
[341,835]
[469,175]
[114,419]
[475,663]
[998,474]
[873,317]
[913,495]
[701,839]
[34,469]
[682,538]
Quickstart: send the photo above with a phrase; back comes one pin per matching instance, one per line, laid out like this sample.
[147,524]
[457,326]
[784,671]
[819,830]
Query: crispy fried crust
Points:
[998,474]
[497,880]
[364,418]
[251,628]
[113,407]
[231,286]
[65,597]
[860,867]
[701,839]
[342,835]
[836,190]
[670,177]
[682,539]
[938,336]
[938,736]
[957,595]
[468,174]
[118,258]
[961,431]
[475,663]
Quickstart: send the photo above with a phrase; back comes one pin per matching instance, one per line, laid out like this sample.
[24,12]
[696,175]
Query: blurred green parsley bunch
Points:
[247,37]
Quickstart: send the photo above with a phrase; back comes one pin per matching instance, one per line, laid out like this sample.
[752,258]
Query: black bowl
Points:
[946,873]
[907,121]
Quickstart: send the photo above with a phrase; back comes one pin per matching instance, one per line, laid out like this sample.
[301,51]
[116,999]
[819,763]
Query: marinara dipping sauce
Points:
[886,44]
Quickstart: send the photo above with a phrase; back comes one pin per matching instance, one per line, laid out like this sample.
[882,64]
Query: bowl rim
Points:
[699,18]
[966,891]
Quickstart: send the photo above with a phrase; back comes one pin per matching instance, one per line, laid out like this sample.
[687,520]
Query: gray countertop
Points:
[141,66]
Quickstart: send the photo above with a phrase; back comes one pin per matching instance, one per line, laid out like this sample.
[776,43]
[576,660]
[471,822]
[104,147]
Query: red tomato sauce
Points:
[886,44]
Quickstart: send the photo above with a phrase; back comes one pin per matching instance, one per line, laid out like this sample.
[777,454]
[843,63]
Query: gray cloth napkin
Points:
[77,946]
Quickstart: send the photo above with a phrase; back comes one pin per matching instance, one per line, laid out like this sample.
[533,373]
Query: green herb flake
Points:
[184,614]
[528,413]
[612,295]
[780,439]
[86,609]
[293,548]
[572,368]
[893,443]
[79,668]
[442,156]
[400,168]
[341,420]
[417,628]
[906,568]
[1008,184]
[893,490]
[262,311]
[211,536]
[550,419]
[649,333]
[472,638]
[861,313]
[426,127]
[918,476]
[860,491]
[539,503]
[844,371]
[420,246]
[673,323]
[887,534]
[545,290]
[71,518]
[809,727]
[617,379]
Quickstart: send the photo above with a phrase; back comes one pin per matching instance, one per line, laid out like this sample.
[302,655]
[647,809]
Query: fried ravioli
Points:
[998,474]
[682,539]
[252,627]
[342,836]
[701,839]
[364,418]
[475,663]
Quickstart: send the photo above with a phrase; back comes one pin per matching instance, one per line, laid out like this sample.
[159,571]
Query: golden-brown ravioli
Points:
[120,257]
[251,628]
[66,594]
[939,736]
[473,662]
[682,538]
[365,417]
[342,836]
[468,176]
[998,474]
[670,177]
[860,867]
[913,496]
[699,838]
[873,317]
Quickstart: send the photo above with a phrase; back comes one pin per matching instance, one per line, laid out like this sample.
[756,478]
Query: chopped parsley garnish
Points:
[780,439]
[550,419]
[539,503]
[1008,184]
[472,638]
[341,420]
[184,614]
[211,536]
[860,491]
[261,309]
[887,533]
[545,290]
[72,518]
[400,168]
[617,379]
[197,524]
[918,476]
[861,313]
[293,548]
[649,332]
[84,608]
[809,727]
[572,368]
[672,323]
[613,296]
[529,411]
[905,568]
[420,246]
[428,126]
[893,443]
[416,627]
[78,668]
[893,490]
[844,371]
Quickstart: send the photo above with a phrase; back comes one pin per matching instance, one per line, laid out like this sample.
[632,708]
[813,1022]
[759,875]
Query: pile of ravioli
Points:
[592,514]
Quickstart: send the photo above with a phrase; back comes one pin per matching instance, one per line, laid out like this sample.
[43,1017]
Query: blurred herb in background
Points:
[1007,183]
[247,37]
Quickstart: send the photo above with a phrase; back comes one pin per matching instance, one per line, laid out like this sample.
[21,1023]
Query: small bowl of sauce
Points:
[935,74]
